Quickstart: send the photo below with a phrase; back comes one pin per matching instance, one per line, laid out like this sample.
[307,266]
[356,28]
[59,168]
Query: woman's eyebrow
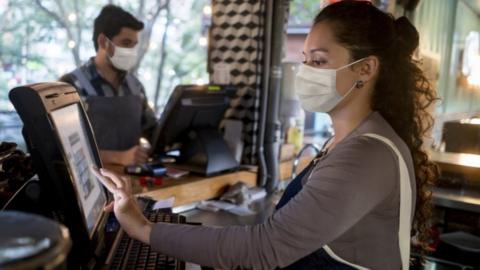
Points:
[316,50]
[319,50]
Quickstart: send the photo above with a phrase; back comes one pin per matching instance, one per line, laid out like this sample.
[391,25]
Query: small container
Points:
[30,241]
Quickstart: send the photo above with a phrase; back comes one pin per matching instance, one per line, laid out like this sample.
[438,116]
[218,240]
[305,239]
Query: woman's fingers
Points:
[123,202]
[113,177]
[109,207]
[118,186]
[120,193]
[127,183]
[104,180]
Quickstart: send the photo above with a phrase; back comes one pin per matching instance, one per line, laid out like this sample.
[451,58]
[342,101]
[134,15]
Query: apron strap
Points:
[334,256]
[85,83]
[133,85]
[405,218]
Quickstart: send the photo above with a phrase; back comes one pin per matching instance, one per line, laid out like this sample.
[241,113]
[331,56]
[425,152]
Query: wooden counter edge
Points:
[212,187]
[202,189]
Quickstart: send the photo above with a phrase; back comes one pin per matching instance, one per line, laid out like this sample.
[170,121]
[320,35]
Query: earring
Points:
[359,84]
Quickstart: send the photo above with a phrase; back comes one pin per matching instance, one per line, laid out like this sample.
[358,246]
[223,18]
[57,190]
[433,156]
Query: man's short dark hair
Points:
[110,22]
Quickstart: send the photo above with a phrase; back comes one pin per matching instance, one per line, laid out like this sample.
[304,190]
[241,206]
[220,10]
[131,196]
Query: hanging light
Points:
[207,10]
[147,76]
[203,41]
[8,37]
[71,44]
[72,17]
[473,80]
[153,45]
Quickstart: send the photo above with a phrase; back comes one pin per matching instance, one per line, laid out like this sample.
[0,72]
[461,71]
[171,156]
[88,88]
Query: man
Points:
[114,98]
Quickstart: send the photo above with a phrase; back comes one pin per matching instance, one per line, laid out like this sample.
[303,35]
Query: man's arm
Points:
[134,155]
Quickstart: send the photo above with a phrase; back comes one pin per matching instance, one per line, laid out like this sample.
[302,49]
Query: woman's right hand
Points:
[125,206]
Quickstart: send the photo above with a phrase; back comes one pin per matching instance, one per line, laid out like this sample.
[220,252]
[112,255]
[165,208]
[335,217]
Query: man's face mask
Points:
[123,58]
[317,88]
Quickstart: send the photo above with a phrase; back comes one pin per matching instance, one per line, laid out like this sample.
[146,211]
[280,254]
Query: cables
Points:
[17,192]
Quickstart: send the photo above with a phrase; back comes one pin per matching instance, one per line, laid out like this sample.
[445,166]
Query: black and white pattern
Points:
[236,38]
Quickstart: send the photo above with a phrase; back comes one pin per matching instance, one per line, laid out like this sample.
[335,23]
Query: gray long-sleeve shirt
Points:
[350,202]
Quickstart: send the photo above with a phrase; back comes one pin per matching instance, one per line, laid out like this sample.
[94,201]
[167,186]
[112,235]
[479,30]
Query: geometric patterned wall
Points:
[237,38]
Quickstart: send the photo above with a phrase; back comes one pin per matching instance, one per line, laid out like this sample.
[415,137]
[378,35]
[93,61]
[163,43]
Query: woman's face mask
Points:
[123,58]
[317,89]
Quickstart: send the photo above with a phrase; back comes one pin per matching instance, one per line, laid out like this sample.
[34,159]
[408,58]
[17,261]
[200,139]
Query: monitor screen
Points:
[77,150]
[191,107]
[190,123]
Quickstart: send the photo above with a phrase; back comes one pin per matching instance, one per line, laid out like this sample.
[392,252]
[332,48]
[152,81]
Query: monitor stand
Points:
[204,151]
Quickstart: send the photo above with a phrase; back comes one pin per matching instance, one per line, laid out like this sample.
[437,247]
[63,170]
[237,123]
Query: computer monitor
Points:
[59,138]
[78,151]
[190,123]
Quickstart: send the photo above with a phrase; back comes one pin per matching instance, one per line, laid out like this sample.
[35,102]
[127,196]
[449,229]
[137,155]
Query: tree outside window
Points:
[40,40]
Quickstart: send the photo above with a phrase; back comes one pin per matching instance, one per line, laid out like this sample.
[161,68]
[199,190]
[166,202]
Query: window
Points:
[300,20]
[41,40]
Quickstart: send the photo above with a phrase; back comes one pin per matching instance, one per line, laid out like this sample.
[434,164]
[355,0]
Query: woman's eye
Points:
[319,62]
[314,62]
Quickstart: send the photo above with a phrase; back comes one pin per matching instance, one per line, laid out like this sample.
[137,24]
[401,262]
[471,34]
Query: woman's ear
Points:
[369,68]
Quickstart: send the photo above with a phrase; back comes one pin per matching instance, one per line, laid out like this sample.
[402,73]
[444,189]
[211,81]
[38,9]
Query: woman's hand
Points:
[125,206]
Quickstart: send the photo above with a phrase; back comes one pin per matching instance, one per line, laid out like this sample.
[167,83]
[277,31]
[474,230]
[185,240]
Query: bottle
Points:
[295,130]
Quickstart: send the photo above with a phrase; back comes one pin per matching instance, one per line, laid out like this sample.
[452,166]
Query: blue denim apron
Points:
[318,259]
[323,258]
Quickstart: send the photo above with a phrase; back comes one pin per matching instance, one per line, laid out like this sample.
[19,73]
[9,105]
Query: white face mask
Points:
[123,58]
[317,88]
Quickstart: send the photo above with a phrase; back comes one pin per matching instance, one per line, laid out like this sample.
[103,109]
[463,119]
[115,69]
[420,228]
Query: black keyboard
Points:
[145,203]
[133,254]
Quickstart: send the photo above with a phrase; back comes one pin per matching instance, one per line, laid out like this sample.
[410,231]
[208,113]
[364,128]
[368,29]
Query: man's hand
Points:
[125,206]
[134,155]
[140,155]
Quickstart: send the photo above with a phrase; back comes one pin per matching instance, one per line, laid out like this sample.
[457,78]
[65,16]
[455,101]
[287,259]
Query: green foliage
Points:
[34,46]
[186,60]
[302,12]
[29,35]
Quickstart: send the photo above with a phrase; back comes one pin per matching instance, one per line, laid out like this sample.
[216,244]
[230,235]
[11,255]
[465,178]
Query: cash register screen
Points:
[71,131]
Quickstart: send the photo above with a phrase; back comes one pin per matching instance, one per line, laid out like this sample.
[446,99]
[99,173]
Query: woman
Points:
[352,208]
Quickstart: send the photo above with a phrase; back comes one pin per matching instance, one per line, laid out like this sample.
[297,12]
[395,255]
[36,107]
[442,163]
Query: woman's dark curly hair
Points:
[402,93]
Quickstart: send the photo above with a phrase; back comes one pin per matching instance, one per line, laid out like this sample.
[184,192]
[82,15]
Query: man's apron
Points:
[116,121]
[325,258]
